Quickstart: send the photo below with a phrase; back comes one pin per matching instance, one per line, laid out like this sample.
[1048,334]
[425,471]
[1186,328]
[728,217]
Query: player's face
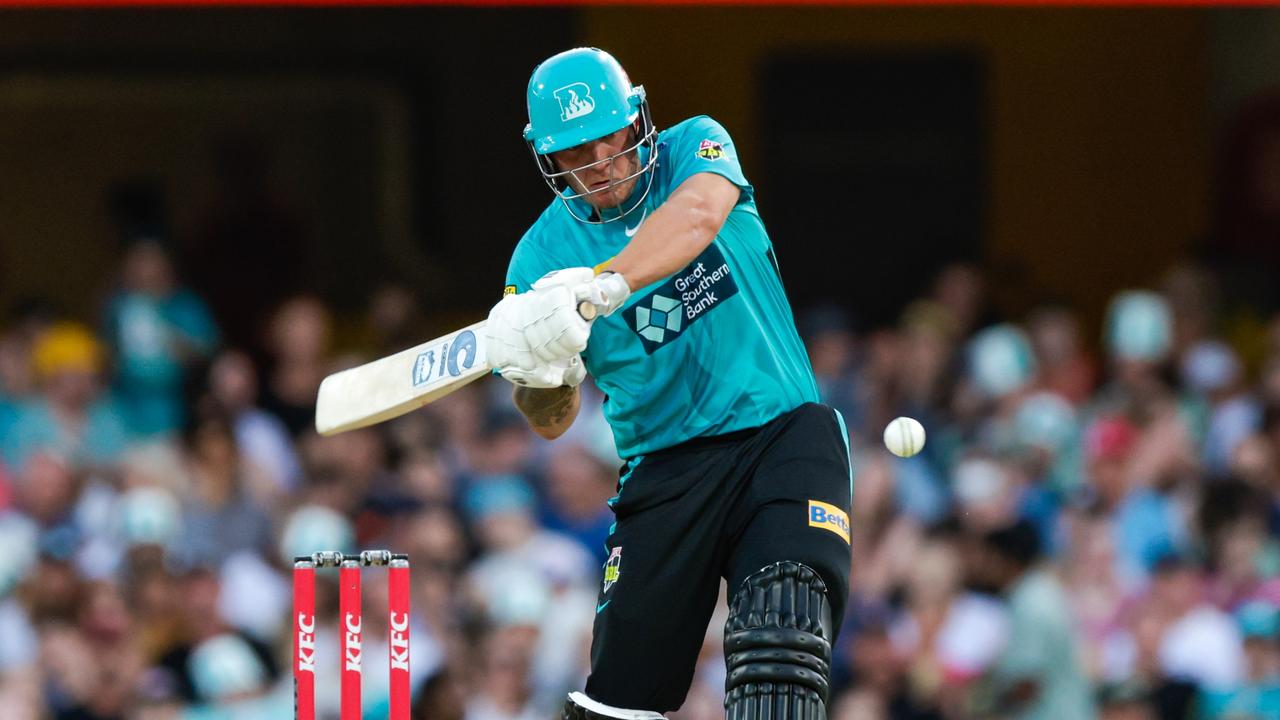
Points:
[598,165]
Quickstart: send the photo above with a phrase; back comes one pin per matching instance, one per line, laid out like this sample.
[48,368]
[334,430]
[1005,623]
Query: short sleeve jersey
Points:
[708,350]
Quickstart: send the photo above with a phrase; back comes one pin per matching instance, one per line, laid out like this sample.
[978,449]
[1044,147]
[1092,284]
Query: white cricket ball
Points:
[904,436]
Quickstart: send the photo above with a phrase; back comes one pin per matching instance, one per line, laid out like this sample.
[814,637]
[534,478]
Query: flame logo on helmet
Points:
[575,101]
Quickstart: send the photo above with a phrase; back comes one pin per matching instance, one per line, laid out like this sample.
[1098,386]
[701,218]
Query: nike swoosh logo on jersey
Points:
[600,608]
[631,231]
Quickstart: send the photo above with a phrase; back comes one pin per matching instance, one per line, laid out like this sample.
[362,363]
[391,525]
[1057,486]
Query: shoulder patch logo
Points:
[829,517]
[710,150]
[508,290]
[575,101]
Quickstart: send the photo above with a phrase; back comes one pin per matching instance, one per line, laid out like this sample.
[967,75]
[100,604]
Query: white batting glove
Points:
[508,347]
[554,328]
[607,291]
[567,277]
[556,374]
[505,342]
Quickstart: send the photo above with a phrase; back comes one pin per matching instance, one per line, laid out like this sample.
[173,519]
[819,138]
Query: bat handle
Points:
[588,311]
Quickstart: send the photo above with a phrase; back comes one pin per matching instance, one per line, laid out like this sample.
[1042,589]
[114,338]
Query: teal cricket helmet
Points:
[578,96]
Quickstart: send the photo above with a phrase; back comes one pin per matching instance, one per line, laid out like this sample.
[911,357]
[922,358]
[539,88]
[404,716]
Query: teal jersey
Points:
[708,350]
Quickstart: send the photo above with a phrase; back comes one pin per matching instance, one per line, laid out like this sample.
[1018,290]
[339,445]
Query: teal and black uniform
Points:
[709,350]
[731,462]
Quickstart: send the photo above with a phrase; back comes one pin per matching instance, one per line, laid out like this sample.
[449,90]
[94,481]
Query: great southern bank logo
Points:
[663,314]
[575,101]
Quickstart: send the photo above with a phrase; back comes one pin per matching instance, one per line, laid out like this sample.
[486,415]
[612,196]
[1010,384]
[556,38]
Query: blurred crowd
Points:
[1091,530]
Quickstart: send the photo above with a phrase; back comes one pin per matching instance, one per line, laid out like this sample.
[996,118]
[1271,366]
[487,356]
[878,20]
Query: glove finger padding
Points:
[555,331]
[505,341]
[543,376]
[575,371]
[569,372]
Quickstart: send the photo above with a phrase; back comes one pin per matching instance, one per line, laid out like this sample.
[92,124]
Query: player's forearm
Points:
[674,234]
[550,411]
[669,239]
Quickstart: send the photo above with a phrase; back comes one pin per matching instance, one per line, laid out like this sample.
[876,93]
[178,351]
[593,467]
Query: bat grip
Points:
[588,311]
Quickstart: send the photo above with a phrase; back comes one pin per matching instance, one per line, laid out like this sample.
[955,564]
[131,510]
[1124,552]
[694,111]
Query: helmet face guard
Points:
[645,149]
[579,96]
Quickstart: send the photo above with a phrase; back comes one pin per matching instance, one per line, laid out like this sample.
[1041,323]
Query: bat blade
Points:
[394,385]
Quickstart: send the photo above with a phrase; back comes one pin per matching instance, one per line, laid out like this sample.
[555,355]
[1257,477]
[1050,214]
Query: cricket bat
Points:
[396,384]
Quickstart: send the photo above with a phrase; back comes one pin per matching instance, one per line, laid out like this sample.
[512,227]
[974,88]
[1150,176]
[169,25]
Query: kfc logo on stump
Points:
[352,654]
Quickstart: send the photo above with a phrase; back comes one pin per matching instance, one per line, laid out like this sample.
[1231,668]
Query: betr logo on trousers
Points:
[352,659]
[829,517]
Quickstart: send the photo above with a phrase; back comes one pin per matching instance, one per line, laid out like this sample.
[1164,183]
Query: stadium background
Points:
[333,184]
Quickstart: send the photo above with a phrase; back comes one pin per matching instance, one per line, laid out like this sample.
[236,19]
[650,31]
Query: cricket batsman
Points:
[733,469]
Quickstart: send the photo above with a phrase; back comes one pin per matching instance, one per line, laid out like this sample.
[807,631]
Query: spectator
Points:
[348,472]
[1259,695]
[961,290]
[439,697]
[877,670]
[93,665]
[578,488]
[884,540]
[1233,524]
[298,348]
[17,385]
[1212,370]
[502,512]
[394,319]
[503,692]
[220,515]
[425,479]
[986,495]
[1065,367]
[70,414]
[20,691]
[947,638]
[157,331]
[1039,674]
[433,537]
[1193,297]
[232,682]
[1046,443]
[831,345]
[1146,523]
[260,436]
[1198,643]
[1093,582]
